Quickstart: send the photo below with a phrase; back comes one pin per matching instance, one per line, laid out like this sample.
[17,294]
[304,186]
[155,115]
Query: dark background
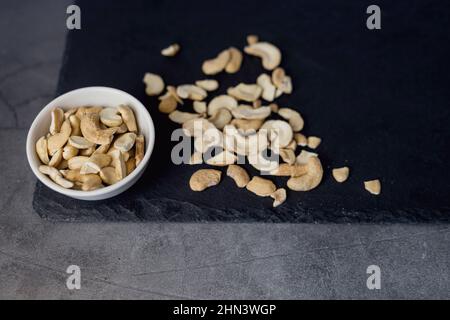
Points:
[378,99]
[186,260]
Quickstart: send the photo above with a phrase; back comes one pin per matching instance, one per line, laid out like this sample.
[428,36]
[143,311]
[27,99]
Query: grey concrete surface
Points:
[163,261]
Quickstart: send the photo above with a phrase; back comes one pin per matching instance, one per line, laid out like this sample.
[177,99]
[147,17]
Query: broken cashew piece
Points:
[128,117]
[108,175]
[294,118]
[181,117]
[238,174]
[279,197]
[167,104]
[373,186]
[311,179]
[140,149]
[313,142]
[341,174]
[288,155]
[248,113]
[125,142]
[216,65]
[56,176]
[171,50]
[75,124]
[269,54]
[192,92]
[304,156]
[80,142]
[204,178]
[207,84]
[199,107]
[289,170]
[234,64]
[56,159]
[57,120]
[110,117]
[261,187]
[154,84]
[252,39]
[246,92]
[42,150]
[77,162]
[300,139]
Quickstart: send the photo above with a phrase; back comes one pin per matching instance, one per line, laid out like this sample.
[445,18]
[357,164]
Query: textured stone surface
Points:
[188,260]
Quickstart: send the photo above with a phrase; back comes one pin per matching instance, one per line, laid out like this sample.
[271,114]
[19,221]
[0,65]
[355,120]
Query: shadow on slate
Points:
[378,99]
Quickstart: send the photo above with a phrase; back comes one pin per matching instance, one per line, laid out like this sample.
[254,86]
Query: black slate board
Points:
[379,99]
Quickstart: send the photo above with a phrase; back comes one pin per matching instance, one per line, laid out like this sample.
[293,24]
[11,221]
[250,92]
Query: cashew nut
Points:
[110,117]
[58,140]
[125,142]
[261,187]
[341,174]
[311,179]
[199,107]
[282,81]
[56,159]
[204,178]
[57,120]
[269,54]
[108,175]
[181,117]
[224,158]
[207,84]
[234,64]
[102,149]
[69,152]
[42,150]
[222,101]
[119,164]
[216,65]
[167,104]
[90,128]
[128,117]
[373,186]
[154,84]
[75,124]
[268,89]
[238,174]
[313,142]
[294,118]
[248,113]
[246,92]
[171,50]
[80,142]
[192,92]
[56,176]
[130,164]
[279,197]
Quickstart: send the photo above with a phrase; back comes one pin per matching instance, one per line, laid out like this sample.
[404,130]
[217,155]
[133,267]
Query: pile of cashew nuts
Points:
[90,147]
[245,122]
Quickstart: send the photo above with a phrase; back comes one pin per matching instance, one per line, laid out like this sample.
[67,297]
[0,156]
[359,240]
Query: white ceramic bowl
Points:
[102,96]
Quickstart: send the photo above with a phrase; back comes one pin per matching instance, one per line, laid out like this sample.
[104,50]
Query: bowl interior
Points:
[91,96]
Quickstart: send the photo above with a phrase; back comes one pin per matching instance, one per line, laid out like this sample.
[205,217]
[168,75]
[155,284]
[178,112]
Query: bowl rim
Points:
[30,147]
